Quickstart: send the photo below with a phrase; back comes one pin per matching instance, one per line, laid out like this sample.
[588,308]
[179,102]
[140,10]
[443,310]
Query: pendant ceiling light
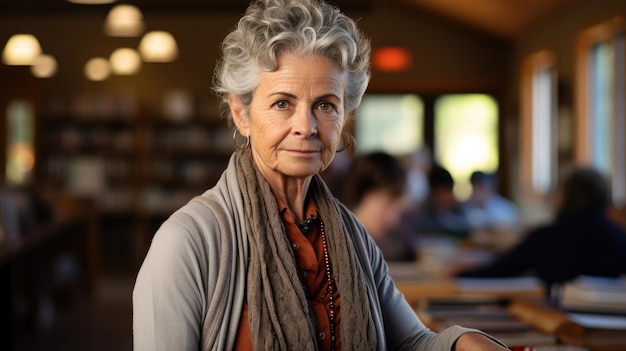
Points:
[125,61]
[21,50]
[158,46]
[45,66]
[92,2]
[97,69]
[124,21]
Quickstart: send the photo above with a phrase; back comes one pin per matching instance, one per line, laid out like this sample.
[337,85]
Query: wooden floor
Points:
[102,321]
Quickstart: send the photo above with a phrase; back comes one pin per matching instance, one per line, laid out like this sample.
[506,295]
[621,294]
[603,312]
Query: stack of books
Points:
[595,294]
[591,313]
[488,314]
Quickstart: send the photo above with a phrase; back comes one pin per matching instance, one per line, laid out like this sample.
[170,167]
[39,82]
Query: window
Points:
[538,122]
[600,115]
[465,131]
[391,123]
[466,137]
[20,152]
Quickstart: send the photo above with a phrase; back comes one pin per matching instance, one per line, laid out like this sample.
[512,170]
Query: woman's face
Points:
[295,118]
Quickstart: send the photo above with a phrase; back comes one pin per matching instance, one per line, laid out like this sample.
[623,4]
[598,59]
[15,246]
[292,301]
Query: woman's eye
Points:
[326,106]
[281,104]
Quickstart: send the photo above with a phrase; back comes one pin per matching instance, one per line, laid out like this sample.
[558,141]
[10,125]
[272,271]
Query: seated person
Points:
[493,219]
[441,213]
[376,191]
[582,240]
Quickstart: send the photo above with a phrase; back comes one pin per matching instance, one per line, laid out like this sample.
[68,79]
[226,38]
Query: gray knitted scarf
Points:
[279,312]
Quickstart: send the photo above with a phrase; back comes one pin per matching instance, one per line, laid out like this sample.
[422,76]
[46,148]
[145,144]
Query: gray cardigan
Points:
[191,286]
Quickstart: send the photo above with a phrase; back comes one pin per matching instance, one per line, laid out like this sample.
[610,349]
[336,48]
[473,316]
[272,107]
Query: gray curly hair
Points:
[271,27]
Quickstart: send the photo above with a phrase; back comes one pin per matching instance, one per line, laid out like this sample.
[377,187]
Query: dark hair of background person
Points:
[583,189]
[480,177]
[440,177]
[371,172]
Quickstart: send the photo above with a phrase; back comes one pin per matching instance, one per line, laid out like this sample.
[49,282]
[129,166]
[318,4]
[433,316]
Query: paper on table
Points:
[599,321]
[510,284]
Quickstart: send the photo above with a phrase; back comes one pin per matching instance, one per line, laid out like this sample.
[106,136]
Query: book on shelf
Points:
[9,218]
[594,331]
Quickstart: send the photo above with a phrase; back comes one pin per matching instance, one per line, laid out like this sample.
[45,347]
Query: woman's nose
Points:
[305,123]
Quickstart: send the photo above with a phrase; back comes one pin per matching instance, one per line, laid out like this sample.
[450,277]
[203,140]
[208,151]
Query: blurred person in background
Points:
[436,229]
[582,239]
[441,212]
[493,220]
[418,166]
[377,193]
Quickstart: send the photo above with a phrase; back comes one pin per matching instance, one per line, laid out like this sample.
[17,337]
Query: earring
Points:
[239,146]
[348,141]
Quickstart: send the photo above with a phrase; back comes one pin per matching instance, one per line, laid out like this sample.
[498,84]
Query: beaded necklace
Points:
[330,280]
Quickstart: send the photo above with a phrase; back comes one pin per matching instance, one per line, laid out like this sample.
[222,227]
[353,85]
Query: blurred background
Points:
[108,124]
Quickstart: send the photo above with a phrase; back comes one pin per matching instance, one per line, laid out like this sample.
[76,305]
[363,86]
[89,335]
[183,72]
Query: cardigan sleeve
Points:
[169,297]
[190,289]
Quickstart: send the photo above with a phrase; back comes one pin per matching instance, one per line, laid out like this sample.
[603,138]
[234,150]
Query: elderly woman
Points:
[268,259]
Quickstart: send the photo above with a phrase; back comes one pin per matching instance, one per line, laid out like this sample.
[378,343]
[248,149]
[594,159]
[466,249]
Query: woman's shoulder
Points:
[215,204]
[200,216]
[186,225]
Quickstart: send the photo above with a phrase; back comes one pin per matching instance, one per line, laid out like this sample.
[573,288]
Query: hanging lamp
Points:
[21,50]
[124,21]
[97,69]
[158,46]
[125,61]
[45,66]
[92,2]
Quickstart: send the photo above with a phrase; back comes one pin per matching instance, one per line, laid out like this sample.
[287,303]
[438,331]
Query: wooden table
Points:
[424,291]
[418,287]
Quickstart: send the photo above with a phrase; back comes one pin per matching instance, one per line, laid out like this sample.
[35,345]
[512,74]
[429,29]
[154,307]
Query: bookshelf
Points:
[181,160]
[48,268]
[137,163]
